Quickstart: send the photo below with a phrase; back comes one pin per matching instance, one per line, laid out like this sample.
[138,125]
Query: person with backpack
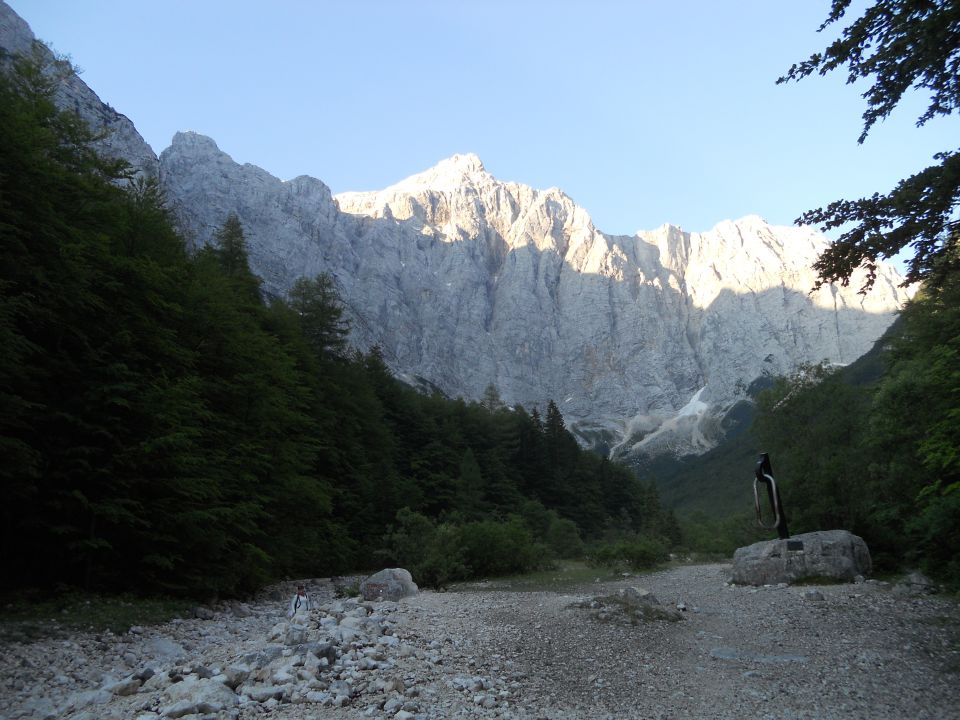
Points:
[299,603]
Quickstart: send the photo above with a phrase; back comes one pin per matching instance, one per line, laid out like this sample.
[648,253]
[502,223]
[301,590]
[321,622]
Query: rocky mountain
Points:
[120,138]
[464,280]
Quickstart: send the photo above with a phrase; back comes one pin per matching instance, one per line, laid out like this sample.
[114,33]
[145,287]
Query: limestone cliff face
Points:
[464,280]
[120,138]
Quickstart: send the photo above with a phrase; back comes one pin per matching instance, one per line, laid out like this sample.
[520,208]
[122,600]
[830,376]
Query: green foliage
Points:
[165,429]
[897,45]
[439,554]
[562,576]
[317,305]
[638,553]
[880,459]
[719,536]
[563,538]
[717,483]
[822,473]
[32,615]
[500,548]
[230,250]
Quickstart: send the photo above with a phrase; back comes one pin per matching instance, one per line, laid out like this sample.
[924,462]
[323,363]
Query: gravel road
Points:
[740,652]
[856,651]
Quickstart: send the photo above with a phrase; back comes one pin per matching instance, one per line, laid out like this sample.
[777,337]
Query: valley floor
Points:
[862,651]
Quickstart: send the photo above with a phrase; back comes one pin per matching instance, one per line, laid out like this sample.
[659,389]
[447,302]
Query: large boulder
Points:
[389,584]
[197,696]
[835,554]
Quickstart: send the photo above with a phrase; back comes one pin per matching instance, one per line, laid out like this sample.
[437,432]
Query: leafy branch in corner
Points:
[898,45]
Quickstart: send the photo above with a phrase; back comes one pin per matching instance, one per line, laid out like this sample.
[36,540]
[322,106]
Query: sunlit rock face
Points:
[464,280]
[120,139]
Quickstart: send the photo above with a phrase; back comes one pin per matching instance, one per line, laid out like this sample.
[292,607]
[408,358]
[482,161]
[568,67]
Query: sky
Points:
[645,112]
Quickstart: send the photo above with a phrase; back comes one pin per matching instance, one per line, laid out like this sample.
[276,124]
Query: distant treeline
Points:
[166,429]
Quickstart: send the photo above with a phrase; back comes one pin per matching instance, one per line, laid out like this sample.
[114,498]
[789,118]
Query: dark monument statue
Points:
[764,474]
[836,554]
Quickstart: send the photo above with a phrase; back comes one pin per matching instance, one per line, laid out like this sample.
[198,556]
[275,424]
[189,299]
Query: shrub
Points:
[500,548]
[638,553]
[442,560]
[437,555]
[563,538]
[406,542]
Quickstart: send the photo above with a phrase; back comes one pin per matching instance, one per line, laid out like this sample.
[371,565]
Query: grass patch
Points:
[27,618]
[566,575]
[347,588]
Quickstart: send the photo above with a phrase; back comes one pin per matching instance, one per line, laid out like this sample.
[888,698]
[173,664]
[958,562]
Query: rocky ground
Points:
[839,651]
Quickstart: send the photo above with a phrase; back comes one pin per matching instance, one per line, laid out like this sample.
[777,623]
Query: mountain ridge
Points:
[496,282]
[464,280]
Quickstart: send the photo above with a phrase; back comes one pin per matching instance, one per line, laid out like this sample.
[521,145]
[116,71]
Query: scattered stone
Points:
[127,686]
[233,675]
[203,613]
[629,606]
[240,610]
[144,674]
[916,583]
[165,649]
[81,700]
[814,595]
[437,657]
[39,709]
[263,693]
[196,695]
[726,653]
[295,635]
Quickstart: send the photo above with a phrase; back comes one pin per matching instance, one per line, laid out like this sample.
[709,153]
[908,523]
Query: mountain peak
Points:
[190,138]
[448,174]
[466,163]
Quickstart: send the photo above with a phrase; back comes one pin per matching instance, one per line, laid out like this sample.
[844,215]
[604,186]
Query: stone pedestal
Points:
[836,554]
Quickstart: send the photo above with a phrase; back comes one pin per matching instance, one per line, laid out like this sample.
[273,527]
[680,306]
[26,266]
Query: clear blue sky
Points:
[643,111]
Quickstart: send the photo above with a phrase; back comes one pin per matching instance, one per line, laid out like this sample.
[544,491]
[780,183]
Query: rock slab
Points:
[836,554]
[389,584]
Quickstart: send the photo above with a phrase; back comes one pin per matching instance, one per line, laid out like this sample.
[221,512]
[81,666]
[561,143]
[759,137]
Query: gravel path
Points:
[861,651]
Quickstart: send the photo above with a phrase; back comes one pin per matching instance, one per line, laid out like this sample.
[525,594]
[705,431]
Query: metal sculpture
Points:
[764,474]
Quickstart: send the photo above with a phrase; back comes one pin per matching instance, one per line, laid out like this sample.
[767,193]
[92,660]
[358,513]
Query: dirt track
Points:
[861,652]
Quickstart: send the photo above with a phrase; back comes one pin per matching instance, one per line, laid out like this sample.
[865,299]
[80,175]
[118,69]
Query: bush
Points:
[442,561]
[638,553]
[437,555]
[645,552]
[936,531]
[500,548]
[563,538]
[406,542]
[721,536]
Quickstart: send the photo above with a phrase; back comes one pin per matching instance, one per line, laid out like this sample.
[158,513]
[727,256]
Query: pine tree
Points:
[231,252]
[491,398]
[322,323]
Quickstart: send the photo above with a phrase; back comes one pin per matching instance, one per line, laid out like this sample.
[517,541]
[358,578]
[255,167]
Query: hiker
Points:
[299,602]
